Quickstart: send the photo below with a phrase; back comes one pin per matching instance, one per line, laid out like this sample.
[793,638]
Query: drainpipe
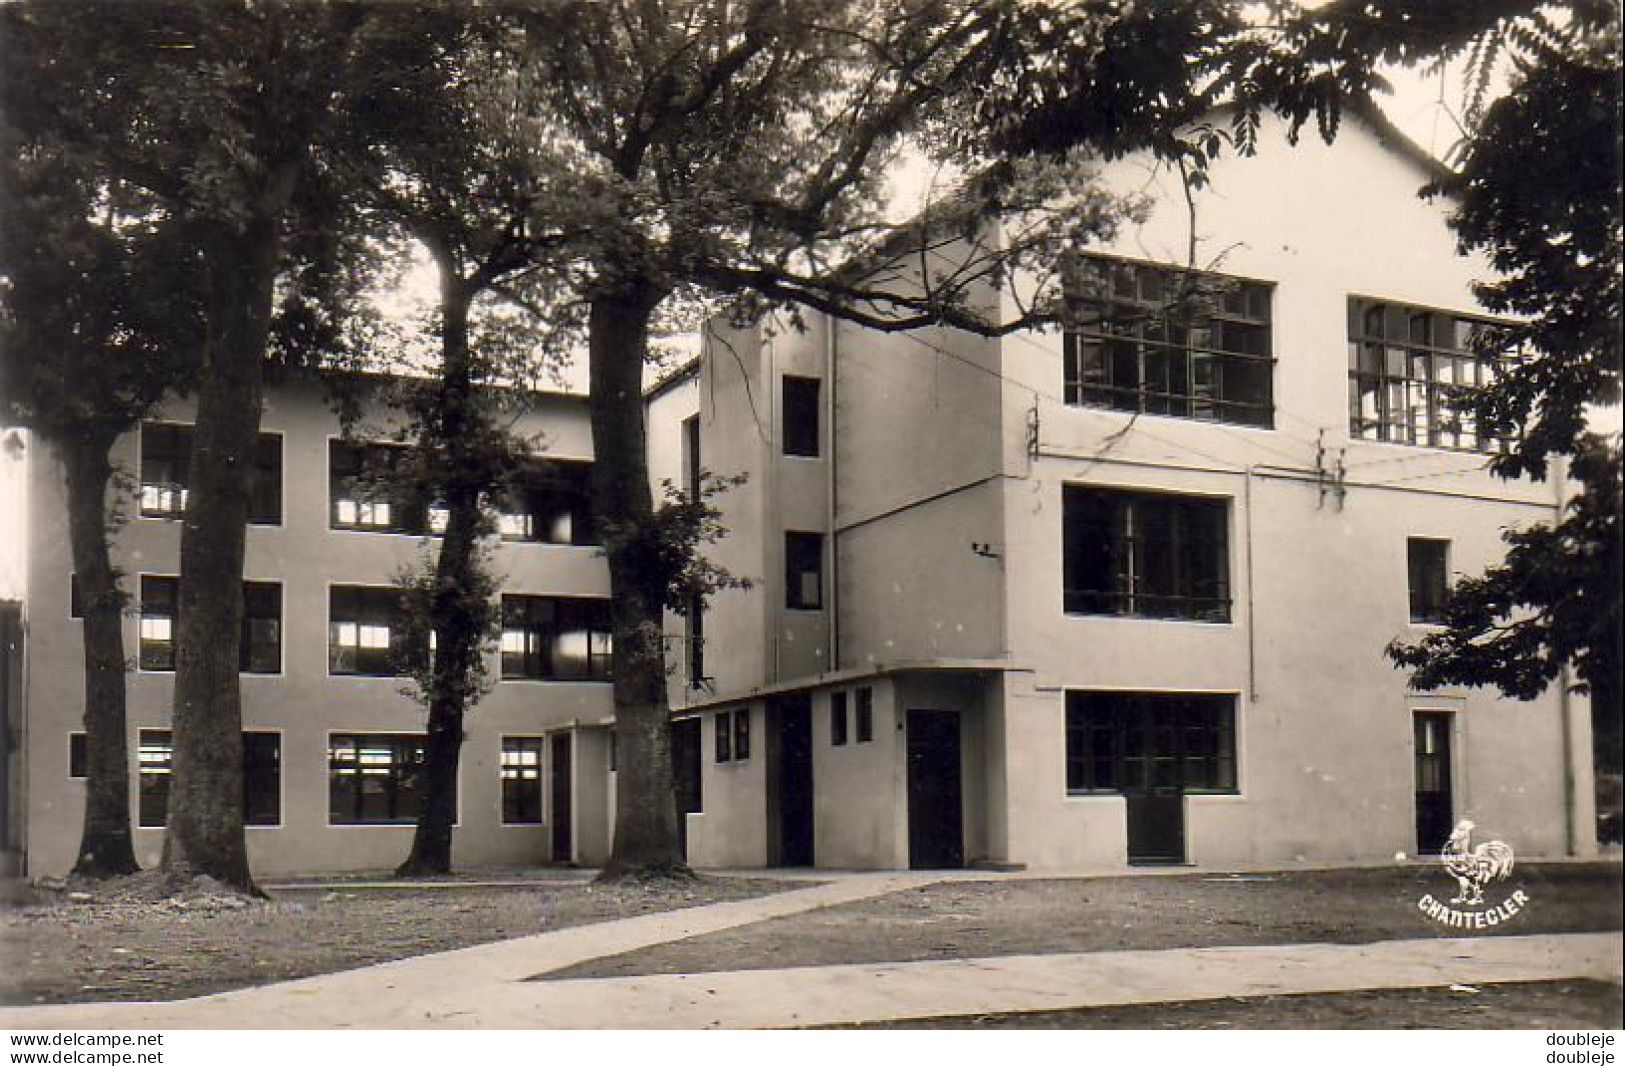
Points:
[1571,840]
[833,600]
[1252,635]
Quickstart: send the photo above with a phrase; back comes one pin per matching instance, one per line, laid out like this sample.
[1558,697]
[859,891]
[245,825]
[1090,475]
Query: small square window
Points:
[837,718]
[866,714]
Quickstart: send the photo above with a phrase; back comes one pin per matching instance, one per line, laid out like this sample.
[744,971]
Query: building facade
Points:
[1119,592]
[331,732]
[1071,599]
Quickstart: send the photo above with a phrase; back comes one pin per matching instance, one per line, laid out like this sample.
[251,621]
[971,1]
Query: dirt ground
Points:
[1020,917]
[1543,1005]
[57,950]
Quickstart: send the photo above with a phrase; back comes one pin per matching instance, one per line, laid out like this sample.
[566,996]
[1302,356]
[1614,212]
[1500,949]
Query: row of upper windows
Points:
[1196,344]
[544,638]
[549,500]
[1162,555]
[372,778]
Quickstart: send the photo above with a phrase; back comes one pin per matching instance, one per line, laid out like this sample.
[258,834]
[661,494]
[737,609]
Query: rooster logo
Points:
[1491,861]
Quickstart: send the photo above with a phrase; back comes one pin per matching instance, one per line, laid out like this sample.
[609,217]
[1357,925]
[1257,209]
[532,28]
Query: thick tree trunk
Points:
[105,848]
[205,834]
[456,606]
[645,802]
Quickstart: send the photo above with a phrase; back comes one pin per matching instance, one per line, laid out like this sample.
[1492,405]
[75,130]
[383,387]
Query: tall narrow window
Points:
[1164,341]
[1428,563]
[259,649]
[366,631]
[694,637]
[804,571]
[1146,555]
[556,638]
[722,723]
[78,755]
[837,718]
[742,734]
[691,457]
[522,780]
[801,416]
[865,714]
[262,777]
[373,779]
[166,457]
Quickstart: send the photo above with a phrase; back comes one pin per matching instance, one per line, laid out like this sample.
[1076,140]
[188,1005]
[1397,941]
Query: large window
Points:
[366,631]
[1404,365]
[1164,341]
[372,779]
[166,456]
[556,638]
[262,777]
[1139,741]
[1146,555]
[369,489]
[259,649]
[1428,566]
[804,571]
[522,780]
[801,416]
[550,501]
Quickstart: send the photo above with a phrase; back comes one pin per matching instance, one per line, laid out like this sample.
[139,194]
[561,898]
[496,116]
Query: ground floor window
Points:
[373,779]
[262,778]
[1142,741]
[522,780]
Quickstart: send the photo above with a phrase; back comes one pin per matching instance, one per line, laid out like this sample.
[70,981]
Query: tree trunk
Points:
[105,848]
[645,802]
[205,835]
[457,606]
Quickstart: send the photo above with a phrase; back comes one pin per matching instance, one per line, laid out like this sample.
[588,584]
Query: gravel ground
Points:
[1021,917]
[1543,1005]
[140,942]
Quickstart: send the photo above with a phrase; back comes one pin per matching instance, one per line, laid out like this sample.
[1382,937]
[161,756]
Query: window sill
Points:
[1151,618]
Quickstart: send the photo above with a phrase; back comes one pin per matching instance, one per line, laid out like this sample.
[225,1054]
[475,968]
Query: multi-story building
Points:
[1072,598]
[331,732]
[1119,592]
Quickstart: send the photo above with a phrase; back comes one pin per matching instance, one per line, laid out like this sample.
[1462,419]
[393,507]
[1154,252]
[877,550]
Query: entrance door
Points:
[562,851]
[790,781]
[1435,808]
[1154,792]
[685,757]
[936,816]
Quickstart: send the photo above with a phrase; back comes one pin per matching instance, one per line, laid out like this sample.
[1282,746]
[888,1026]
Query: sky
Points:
[1422,106]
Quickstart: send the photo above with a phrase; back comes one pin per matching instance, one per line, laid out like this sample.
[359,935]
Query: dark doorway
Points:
[936,817]
[1434,805]
[562,850]
[1156,827]
[685,757]
[790,782]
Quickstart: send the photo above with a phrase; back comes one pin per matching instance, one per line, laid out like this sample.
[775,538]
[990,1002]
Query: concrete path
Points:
[496,986]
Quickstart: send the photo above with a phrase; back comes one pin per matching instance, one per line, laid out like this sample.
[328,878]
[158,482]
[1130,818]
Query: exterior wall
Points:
[732,828]
[1319,583]
[304,703]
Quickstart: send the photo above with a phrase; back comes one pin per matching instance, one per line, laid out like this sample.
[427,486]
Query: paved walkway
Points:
[503,985]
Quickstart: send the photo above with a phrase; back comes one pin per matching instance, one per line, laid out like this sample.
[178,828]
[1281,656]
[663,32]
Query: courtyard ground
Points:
[107,948]
[972,919]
